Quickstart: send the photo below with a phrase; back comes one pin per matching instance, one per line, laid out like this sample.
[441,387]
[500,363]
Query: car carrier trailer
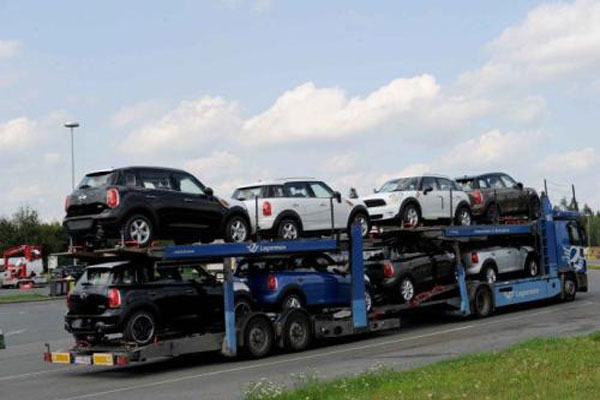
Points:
[562,273]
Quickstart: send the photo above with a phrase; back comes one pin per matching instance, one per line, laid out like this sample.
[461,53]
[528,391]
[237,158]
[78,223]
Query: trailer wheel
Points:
[297,332]
[258,337]
[569,288]
[482,302]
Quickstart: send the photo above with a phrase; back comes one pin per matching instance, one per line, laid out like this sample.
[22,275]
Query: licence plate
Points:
[61,358]
[103,359]
[83,360]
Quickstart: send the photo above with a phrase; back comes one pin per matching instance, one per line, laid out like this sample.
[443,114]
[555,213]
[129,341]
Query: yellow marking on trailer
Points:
[103,359]
[61,358]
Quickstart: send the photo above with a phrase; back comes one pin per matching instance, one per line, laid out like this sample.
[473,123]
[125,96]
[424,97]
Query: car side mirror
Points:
[208,191]
[427,190]
[337,196]
[519,186]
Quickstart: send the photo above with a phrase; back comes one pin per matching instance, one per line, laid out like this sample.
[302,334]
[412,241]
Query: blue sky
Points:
[354,92]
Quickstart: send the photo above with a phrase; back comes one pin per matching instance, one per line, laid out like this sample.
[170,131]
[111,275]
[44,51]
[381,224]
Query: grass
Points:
[23,297]
[565,368]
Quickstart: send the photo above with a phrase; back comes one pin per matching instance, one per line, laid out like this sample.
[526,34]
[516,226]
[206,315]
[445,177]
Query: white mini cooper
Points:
[413,200]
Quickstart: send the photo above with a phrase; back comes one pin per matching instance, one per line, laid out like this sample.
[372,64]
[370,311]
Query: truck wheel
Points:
[139,228]
[569,288]
[258,337]
[140,328]
[288,229]
[297,332]
[482,302]
[236,230]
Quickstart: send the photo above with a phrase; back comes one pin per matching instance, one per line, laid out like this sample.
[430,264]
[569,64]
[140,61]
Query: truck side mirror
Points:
[337,196]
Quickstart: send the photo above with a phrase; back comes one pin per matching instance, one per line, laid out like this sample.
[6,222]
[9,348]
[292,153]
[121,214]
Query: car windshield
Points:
[247,193]
[95,180]
[398,185]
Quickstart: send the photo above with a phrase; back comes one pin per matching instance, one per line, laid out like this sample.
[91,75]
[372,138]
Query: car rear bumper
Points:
[108,221]
[93,324]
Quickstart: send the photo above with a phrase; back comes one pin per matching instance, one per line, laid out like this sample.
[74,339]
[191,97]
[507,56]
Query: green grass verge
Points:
[23,297]
[565,368]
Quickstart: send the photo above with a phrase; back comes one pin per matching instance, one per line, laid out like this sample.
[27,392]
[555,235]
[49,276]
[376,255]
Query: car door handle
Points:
[152,293]
[190,291]
[188,200]
[150,196]
[323,205]
[296,205]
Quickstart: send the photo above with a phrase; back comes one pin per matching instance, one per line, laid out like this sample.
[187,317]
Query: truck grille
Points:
[375,203]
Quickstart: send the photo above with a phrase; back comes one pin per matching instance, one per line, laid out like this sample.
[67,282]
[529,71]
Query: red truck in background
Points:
[22,266]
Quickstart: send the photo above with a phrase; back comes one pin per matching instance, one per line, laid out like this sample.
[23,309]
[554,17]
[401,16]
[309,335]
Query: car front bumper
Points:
[386,213]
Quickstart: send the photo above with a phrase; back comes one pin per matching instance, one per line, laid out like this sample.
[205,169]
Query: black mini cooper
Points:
[142,204]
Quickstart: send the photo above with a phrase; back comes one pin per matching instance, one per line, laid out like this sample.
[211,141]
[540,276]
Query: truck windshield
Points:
[398,185]
[95,180]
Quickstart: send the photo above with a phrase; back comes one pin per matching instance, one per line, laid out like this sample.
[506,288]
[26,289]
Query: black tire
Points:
[140,328]
[482,302]
[532,266]
[488,273]
[369,300]
[492,213]
[258,337]
[237,230]
[140,229]
[535,207]
[243,306]
[406,289]
[288,229]
[297,333]
[291,300]
[569,287]
[463,216]
[364,222]
[410,215]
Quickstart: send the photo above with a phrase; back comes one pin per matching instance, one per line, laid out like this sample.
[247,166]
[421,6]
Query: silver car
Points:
[490,262]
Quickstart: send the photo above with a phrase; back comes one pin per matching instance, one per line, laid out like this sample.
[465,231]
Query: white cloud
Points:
[555,39]
[188,126]
[127,115]
[570,163]
[526,110]
[16,134]
[217,161]
[338,163]
[309,113]
[9,48]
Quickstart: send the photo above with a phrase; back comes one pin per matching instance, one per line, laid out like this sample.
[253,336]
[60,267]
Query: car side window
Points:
[128,178]
[483,183]
[155,180]
[187,184]
[508,181]
[575,238]
[444,184]
[297,189]
[320,190]
[274,191]
[428,182]
[495,182]
[124,276]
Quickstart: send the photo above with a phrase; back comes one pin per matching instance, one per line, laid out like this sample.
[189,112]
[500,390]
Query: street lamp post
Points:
[72,126]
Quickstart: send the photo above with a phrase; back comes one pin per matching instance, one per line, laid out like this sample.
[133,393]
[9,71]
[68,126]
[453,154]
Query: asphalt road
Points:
[423,339]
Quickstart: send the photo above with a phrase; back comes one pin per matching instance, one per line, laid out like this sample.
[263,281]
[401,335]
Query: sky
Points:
[352,92]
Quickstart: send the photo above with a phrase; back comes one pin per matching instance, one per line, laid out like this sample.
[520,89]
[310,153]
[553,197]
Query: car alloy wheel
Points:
[292,301]
[142,328]
[490,275]
[411,217]
[238,232]
[464,217]
[532,267]
[289,231]
[139,230]
[368,300]
[407,289]
[364,224]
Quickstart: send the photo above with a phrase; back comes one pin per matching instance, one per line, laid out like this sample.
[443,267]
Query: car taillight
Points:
[477,197]
[69,301]
[112,197]
[388,269]
[114,298]
[272,282]
[266,209]
[474,258]
[67,203]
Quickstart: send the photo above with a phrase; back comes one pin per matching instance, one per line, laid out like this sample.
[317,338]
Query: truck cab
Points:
[570,242]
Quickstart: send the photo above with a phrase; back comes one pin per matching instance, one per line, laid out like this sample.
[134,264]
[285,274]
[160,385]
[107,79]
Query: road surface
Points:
[423,339]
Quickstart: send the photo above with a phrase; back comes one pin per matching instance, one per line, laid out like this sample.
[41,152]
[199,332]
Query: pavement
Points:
[424,338]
